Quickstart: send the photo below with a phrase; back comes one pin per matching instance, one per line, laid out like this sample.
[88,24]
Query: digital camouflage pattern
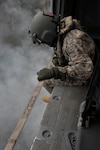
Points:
[78,49]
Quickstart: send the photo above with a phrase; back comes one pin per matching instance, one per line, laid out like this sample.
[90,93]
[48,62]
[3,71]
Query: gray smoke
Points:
[19,62]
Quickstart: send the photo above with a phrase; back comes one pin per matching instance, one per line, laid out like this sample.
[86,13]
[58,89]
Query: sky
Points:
[20,61]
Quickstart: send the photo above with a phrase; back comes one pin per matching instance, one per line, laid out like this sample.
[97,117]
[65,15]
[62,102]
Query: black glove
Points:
[64,61]
[55,61]
[50,73]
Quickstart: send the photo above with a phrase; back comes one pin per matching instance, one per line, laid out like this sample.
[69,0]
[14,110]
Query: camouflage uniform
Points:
[78,49]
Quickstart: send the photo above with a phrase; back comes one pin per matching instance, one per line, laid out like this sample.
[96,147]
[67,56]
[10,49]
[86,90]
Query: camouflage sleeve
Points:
[80,70]
[78,46]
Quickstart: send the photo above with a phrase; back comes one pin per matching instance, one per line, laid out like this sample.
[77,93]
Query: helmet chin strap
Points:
[35,39]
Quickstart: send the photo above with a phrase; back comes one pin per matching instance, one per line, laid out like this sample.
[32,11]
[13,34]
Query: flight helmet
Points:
[44,29]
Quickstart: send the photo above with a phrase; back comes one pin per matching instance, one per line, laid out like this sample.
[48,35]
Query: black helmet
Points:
[44,29]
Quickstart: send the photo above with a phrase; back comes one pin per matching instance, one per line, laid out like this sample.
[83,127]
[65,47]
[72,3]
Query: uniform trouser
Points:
[51,83]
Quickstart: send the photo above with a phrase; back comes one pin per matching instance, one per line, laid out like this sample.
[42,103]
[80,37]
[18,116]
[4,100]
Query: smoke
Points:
[19,62]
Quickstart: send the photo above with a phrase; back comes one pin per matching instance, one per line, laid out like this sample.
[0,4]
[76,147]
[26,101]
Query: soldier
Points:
[73,56]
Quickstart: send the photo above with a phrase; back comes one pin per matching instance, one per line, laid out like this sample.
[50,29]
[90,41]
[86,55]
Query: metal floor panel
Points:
[60,118]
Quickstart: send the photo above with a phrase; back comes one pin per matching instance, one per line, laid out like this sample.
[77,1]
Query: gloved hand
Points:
[55,61]
[50,73]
